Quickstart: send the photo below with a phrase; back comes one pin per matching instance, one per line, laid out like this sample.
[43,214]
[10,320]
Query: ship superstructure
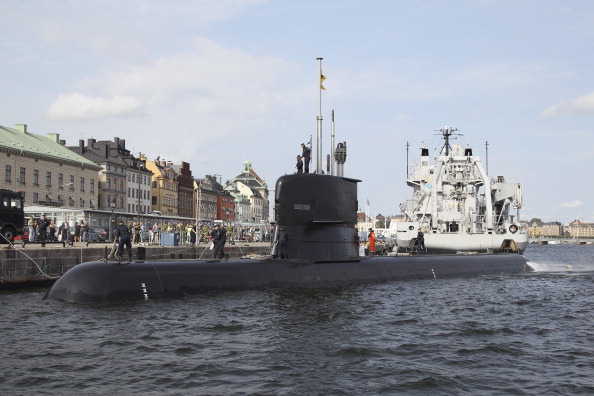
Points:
[458,207]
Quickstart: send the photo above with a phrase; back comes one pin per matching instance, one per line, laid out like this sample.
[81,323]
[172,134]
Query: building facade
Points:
[45,171]
[249,185]
[578,229]
[164,187]
[185,200]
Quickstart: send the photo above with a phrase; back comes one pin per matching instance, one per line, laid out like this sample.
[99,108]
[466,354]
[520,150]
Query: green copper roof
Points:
[19,141]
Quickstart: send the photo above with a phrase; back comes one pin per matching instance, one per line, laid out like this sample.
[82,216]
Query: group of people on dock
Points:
[46,230]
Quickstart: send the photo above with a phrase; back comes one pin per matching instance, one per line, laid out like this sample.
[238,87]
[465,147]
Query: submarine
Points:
[318,214]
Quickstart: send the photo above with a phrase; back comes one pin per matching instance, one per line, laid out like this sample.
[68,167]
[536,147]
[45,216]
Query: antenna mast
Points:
[319,120]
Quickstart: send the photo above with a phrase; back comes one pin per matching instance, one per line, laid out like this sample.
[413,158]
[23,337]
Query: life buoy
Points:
[513,228]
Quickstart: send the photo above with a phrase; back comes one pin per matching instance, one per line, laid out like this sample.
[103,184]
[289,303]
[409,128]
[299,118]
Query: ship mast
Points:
[319,120]
[446,132]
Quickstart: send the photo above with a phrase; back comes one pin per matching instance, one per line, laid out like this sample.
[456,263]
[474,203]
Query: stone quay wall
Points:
[41,266]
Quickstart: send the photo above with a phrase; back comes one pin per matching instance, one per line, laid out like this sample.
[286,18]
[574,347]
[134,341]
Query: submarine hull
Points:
[105,282]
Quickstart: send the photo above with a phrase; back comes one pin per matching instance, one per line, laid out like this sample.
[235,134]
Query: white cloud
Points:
[79,107]
[572,204]
[581,105]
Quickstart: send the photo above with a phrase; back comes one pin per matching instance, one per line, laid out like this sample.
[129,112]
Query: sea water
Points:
[521,334]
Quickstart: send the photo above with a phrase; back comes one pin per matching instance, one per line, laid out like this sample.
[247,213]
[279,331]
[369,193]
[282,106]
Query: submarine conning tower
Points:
[319,215]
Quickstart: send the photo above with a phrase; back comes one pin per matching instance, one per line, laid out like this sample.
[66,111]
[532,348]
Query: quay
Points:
[34,265]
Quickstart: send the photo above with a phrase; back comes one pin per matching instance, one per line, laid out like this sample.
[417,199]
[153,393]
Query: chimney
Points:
[81,146]
[116,140]
[163,164]
[21,127]
[104,150]
[90,143]
[123,143]
[63,142]
[54,137]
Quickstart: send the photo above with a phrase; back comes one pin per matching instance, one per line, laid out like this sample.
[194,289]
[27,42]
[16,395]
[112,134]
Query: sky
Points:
[219,82]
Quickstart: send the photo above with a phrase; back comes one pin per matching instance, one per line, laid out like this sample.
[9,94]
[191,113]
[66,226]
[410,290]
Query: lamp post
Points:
[140,167]
[198,213]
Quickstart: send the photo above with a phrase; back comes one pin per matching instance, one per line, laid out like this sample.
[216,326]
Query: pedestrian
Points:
[76,232]
[214,238]
[123,233]
[85,231]
[306,155]
[65,232]
[299,165]
[32,224]
[193,239]
[222,239]
[420,241]
[371,239]
[283,237]
[52,231]
[42,225]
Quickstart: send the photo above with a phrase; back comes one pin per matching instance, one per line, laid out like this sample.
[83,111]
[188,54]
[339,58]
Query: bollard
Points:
[140,253]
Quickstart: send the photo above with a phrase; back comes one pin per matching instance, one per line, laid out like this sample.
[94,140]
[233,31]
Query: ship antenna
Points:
[321,79]
[487,156]
[407,147]
[446,132]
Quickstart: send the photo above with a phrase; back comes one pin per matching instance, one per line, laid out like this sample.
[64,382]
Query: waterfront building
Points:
[240,201]
[185,199]
[541,229]
[578,229]
[254,188]
[45,171]
[164,186]
[225,201]
[207,198]
[138,178]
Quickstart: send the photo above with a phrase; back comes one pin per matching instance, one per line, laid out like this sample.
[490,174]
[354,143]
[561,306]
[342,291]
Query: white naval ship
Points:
[458,208]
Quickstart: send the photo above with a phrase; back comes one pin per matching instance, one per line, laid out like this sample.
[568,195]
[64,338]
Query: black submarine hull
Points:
[105,282]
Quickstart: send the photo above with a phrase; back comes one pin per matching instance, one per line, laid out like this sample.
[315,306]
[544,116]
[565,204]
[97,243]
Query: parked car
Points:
[98,235]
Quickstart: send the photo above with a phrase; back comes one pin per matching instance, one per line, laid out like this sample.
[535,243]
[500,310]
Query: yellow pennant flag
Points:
[322,78]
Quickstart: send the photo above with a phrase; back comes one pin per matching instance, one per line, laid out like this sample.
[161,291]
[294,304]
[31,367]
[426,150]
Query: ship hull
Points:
[105,282]
[480,243]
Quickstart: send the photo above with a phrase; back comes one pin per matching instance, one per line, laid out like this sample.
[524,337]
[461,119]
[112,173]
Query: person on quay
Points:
[371,239]
[299,165]
[32,224]
[123,234]
[306,155]
[52,231]
[85,231]
[42,225]
[214,238]
[283,238]
[76,232]
[420,241]
[220,246]
[65,232]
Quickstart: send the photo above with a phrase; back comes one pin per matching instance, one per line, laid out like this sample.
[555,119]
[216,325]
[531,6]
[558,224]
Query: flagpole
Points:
[332,145]
[319,122]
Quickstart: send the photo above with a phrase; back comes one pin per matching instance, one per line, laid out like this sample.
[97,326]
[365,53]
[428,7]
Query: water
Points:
[526,334]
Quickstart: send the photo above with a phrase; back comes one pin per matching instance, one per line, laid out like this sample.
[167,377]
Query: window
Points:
[71,183]
[36,178]
[121,185]
[92,185]
[22,173]
[35,197]
[8,173]
[71,201]
[60,180]
[48,179]
[82,203]
[108,183]
[82,184]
